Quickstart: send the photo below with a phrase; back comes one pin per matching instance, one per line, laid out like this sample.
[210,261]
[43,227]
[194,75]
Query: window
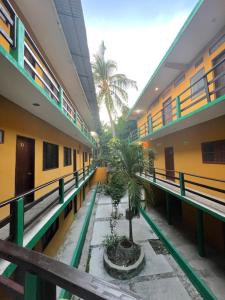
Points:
[197,87]
[213,152]
[67,157]
[47,237]
[216,45]
[179,79]
[68,209]
[50,156]
[1,136]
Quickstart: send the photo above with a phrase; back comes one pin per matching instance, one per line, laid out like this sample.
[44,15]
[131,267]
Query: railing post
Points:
[17,221]
[61,96]
[200,233]
[153,175]
[178,111]
[150,127]
[76,179]
[168,209]
[88,170]
[37,288]
[61,190]
[206,89]
[18,52]
[84,173]
[182,185]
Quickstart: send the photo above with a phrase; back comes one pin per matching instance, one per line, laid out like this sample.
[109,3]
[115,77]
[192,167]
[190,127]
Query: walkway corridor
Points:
[161,277]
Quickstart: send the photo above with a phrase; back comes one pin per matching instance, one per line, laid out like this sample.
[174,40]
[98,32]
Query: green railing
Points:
[26,56]
[192,100]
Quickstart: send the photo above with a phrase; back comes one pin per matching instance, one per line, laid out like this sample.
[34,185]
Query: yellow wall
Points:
[100,175]
[187,151]
[173,91]
[16,121]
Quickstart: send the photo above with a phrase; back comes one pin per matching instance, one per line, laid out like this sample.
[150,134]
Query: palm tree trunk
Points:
[111,122]
[130,224]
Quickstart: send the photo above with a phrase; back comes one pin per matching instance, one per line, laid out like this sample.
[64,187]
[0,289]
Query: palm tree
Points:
[111,87]
[126,161]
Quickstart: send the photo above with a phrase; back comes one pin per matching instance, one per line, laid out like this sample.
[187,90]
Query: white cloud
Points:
[137,50]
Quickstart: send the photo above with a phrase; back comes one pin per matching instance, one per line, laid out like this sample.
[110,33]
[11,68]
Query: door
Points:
[220,82]
[24,180]
[74,160]
[167,112]
[169,163]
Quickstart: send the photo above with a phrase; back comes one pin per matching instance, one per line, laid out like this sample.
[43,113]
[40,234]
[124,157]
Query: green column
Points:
[182,185]
[149,124]
[200,233]
[61,190]
[168,209]
[18,52]
[19,228]
[178,111]
[31,287]
[153,175]
[76,179]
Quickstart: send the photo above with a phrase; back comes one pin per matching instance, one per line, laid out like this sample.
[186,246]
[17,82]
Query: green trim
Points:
[178,111]
[80,244]
[182,186]
[186,200]
[171,48]
[199,284]
[200,109]
[11,268]
[19,222]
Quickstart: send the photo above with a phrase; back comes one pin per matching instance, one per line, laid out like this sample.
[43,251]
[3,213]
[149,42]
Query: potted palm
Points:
[126,161]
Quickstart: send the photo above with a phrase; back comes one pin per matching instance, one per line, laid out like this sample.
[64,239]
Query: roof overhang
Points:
[42,17]
[203,24]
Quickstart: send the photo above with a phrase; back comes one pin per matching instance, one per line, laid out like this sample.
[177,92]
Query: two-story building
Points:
[48,114]
[181,115]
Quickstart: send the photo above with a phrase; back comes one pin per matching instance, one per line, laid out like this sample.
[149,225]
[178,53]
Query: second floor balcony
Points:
[33,84]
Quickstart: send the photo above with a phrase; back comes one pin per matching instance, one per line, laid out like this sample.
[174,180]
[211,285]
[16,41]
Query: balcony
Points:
[200,102]
[36,88]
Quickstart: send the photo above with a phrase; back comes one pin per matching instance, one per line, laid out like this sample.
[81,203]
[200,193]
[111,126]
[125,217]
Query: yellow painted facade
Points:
[15,121]
[174,91]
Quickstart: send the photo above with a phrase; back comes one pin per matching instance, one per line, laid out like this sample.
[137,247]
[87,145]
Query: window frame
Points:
[215,152]
[68,209]
[45,159]
[49,234]
[67,160]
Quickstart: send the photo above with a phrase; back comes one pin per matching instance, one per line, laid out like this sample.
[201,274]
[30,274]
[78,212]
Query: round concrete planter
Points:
[122,272]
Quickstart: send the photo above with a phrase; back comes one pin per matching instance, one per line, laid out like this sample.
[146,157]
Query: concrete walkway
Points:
[161,277]
[211,268]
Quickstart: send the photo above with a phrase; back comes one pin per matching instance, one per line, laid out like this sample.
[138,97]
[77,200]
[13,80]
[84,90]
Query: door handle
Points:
[29,173]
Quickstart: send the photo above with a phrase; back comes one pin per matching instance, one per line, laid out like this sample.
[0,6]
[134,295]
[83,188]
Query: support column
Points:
[61,190]
[18,52]
[178,111]
[200,232]
[17,221]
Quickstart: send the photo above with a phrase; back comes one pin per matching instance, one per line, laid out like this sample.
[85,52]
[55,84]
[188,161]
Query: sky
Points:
[137,33]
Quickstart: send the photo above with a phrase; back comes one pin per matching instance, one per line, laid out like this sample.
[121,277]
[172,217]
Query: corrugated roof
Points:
[71,16]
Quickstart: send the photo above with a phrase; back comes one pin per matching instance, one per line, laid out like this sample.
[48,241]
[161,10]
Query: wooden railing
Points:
[187,182]
[23,48]
[18,205]
[40,275]
[184,104]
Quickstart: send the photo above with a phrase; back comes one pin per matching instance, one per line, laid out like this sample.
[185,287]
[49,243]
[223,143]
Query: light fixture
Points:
[156,89]
[138,111]
[36,104]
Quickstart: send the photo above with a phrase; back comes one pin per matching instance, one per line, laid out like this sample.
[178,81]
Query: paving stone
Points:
[161,289]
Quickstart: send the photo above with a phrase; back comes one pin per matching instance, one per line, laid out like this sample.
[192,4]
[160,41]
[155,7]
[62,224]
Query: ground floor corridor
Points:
[161,277]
